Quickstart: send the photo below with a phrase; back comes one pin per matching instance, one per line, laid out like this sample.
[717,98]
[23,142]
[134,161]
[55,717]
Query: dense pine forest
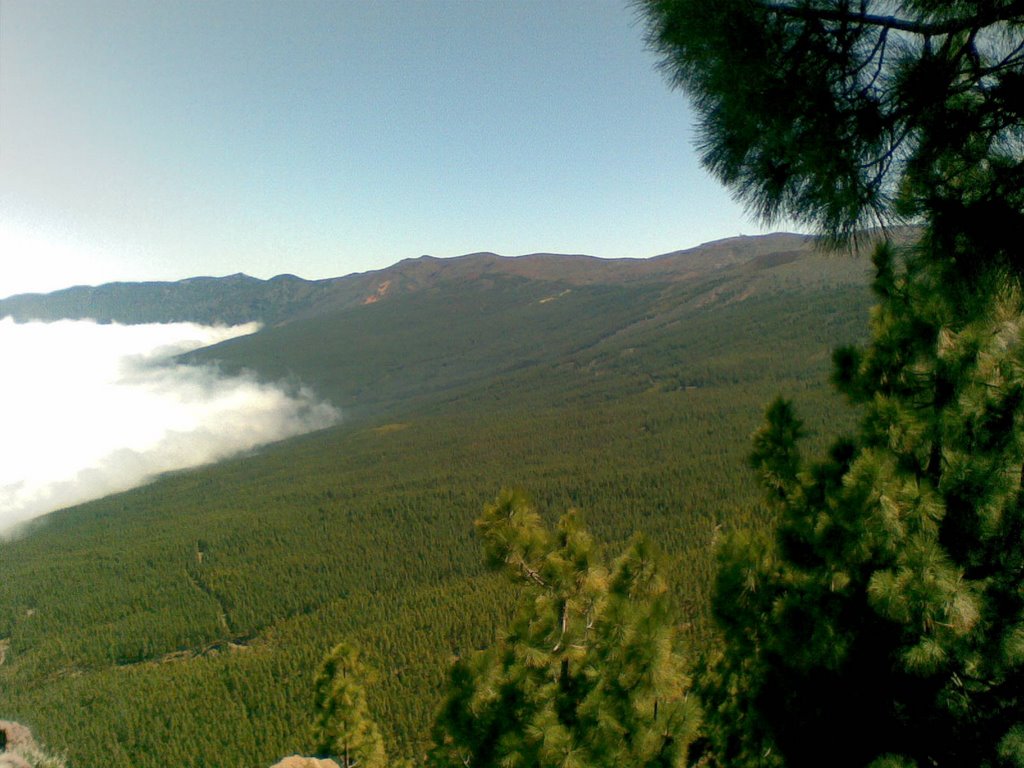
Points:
[213,594]
[569,519]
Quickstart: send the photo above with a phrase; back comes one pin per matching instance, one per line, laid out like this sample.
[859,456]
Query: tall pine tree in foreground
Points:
[588,674]
[342,726]
[883,622]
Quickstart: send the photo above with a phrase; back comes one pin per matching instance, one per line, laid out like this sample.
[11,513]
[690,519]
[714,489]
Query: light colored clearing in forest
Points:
[222,615]
[4,645]
[212,649]
[552,298]
[387,429]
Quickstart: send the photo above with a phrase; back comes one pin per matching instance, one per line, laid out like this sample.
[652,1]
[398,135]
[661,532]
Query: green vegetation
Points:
[871,605]
[884,614]
[588,673]
[845,115]
[227,300]
[213,594]
[342,726]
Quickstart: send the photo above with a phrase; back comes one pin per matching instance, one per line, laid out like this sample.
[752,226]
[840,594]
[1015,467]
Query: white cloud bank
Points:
[87,410]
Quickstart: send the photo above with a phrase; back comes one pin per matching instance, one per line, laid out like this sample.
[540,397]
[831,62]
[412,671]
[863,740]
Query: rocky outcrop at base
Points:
[19,750]
[13,760]
[298,761]
[15,737]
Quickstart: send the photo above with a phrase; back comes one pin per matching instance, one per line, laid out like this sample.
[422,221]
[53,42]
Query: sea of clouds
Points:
[90,409]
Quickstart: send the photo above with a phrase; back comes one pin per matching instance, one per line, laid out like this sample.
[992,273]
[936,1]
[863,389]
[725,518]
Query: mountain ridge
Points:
[430,328]
[425,328]
[240,298]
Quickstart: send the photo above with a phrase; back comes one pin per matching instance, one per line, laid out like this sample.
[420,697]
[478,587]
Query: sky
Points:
[133,412]
[155,140]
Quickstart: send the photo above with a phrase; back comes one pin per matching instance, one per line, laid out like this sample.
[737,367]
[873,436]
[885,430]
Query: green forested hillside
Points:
[226,300]
[181,623]
[473,327]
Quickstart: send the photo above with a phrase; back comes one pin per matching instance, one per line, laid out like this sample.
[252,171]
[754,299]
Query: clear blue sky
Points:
[156,139]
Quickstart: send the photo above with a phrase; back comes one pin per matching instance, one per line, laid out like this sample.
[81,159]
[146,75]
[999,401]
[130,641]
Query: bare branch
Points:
[565,626]
[527,571]
[1010,12]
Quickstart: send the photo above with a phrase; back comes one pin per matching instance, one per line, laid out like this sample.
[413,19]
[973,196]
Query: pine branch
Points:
[565,625]
[1011,12]
[1011,60]
[529,573]
[877,50]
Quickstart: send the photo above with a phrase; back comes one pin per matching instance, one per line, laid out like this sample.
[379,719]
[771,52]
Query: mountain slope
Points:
[240,298]
[225,300]
[181,621]
[444,328]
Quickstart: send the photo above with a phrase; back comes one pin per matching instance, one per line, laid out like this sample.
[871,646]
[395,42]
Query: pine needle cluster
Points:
[588,673]
[886,614]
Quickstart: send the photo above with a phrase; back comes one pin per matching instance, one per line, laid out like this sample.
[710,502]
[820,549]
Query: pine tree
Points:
[637,711]
[342,726]
[587,674]
[882,623]
[886,615]
[840,114]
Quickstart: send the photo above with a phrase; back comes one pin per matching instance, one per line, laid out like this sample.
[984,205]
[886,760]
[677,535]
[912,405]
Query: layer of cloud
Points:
[87,410]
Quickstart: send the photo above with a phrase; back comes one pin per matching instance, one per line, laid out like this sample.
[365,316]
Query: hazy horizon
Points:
[154,140]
